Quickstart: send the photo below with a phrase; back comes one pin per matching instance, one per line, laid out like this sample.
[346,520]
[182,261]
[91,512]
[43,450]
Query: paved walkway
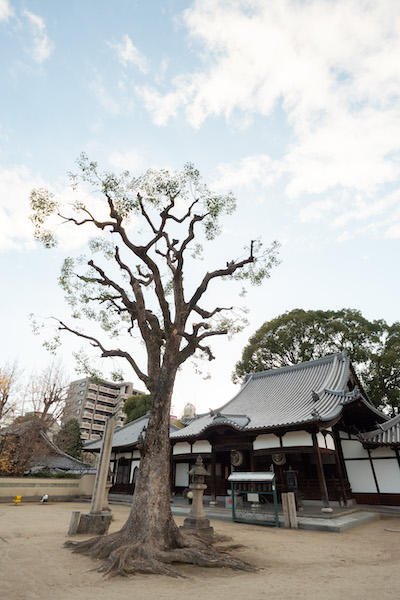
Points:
[311,518]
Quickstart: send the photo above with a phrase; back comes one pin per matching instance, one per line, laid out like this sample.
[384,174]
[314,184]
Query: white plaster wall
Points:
[136,454]
[297,438]
[383,452]
[330,442]
[353,449]
[388,475]
[182,474]
[360,476]
[123,455]
[135,463]
[202,447]
[266,440]
[182,448]
[321,440]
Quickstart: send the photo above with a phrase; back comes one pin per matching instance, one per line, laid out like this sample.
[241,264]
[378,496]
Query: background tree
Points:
[9,377]
[136,287]
[137,406]
[300,335]
[69,439]
[383,375]
[18,444]
[45,393]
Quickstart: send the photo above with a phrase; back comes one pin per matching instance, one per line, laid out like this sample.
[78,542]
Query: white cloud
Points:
[130,160]
[249,171]
[331,66]
[42,45]
[128,54]
[162,107]
[15,228]
[317,211]
[6,10]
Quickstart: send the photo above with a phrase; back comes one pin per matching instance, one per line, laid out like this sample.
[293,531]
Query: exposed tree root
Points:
[122,556]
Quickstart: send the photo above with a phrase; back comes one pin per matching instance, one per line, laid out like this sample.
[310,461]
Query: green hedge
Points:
[60,475]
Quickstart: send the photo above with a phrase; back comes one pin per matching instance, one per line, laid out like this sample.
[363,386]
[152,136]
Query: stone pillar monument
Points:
[98,520]
[98,497]
[197,520]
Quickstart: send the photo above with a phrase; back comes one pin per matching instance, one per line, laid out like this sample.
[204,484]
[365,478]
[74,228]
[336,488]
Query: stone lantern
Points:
[197,520]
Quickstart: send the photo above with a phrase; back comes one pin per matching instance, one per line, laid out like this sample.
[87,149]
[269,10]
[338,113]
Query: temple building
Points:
[311,423]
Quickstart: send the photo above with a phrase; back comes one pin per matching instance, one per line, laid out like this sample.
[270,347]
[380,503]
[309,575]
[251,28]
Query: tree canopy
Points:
[301,335]
[69,440]
[137,406]
[135,285]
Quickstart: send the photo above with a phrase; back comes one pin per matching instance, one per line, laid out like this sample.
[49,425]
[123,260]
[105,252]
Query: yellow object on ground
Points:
[17,500]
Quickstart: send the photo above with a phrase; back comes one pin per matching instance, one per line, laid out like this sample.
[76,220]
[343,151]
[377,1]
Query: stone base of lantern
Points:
[202,526]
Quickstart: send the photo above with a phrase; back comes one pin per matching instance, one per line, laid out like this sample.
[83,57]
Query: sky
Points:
[294,105]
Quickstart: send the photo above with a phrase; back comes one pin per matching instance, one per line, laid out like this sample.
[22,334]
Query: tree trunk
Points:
[151,516]
[150,541]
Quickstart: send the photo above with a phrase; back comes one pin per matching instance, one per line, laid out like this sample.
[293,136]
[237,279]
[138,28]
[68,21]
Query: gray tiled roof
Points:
[387,434]
[126,435]
[54,458]
[313,391]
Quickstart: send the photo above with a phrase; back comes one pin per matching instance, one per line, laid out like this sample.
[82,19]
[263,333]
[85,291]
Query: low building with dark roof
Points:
[125,456]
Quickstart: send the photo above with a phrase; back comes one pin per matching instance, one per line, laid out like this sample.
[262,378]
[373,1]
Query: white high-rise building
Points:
[91,403]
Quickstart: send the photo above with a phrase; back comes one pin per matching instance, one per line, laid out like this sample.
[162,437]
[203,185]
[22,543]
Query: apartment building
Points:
[91,403]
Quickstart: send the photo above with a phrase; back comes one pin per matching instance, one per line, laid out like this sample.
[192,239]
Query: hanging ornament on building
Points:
[236,458]
[279,458]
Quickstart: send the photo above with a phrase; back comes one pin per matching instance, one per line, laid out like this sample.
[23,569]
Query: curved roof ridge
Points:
[387,434]
[331,376]
[390,423]
[135,421]
[242,388]
[297,366]
[48,441]
[346,371]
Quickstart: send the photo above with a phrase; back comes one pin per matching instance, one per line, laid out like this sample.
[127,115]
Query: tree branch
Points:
[205,314]
[231,267]
[106,353]
[193,341]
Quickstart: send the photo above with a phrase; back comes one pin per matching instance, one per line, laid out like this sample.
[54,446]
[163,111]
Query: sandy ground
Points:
[361,564]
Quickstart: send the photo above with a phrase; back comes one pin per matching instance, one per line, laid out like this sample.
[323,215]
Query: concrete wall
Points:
[33,488]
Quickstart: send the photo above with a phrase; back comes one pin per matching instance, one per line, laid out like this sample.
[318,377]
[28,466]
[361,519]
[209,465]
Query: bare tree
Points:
[46,392]
[9,376]
[139,289]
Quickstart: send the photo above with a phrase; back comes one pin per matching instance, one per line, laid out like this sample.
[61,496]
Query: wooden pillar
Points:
[171,470]
[252,462]
[213,475]
[396,451]
[341,464]
[320,471]
[339,468]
